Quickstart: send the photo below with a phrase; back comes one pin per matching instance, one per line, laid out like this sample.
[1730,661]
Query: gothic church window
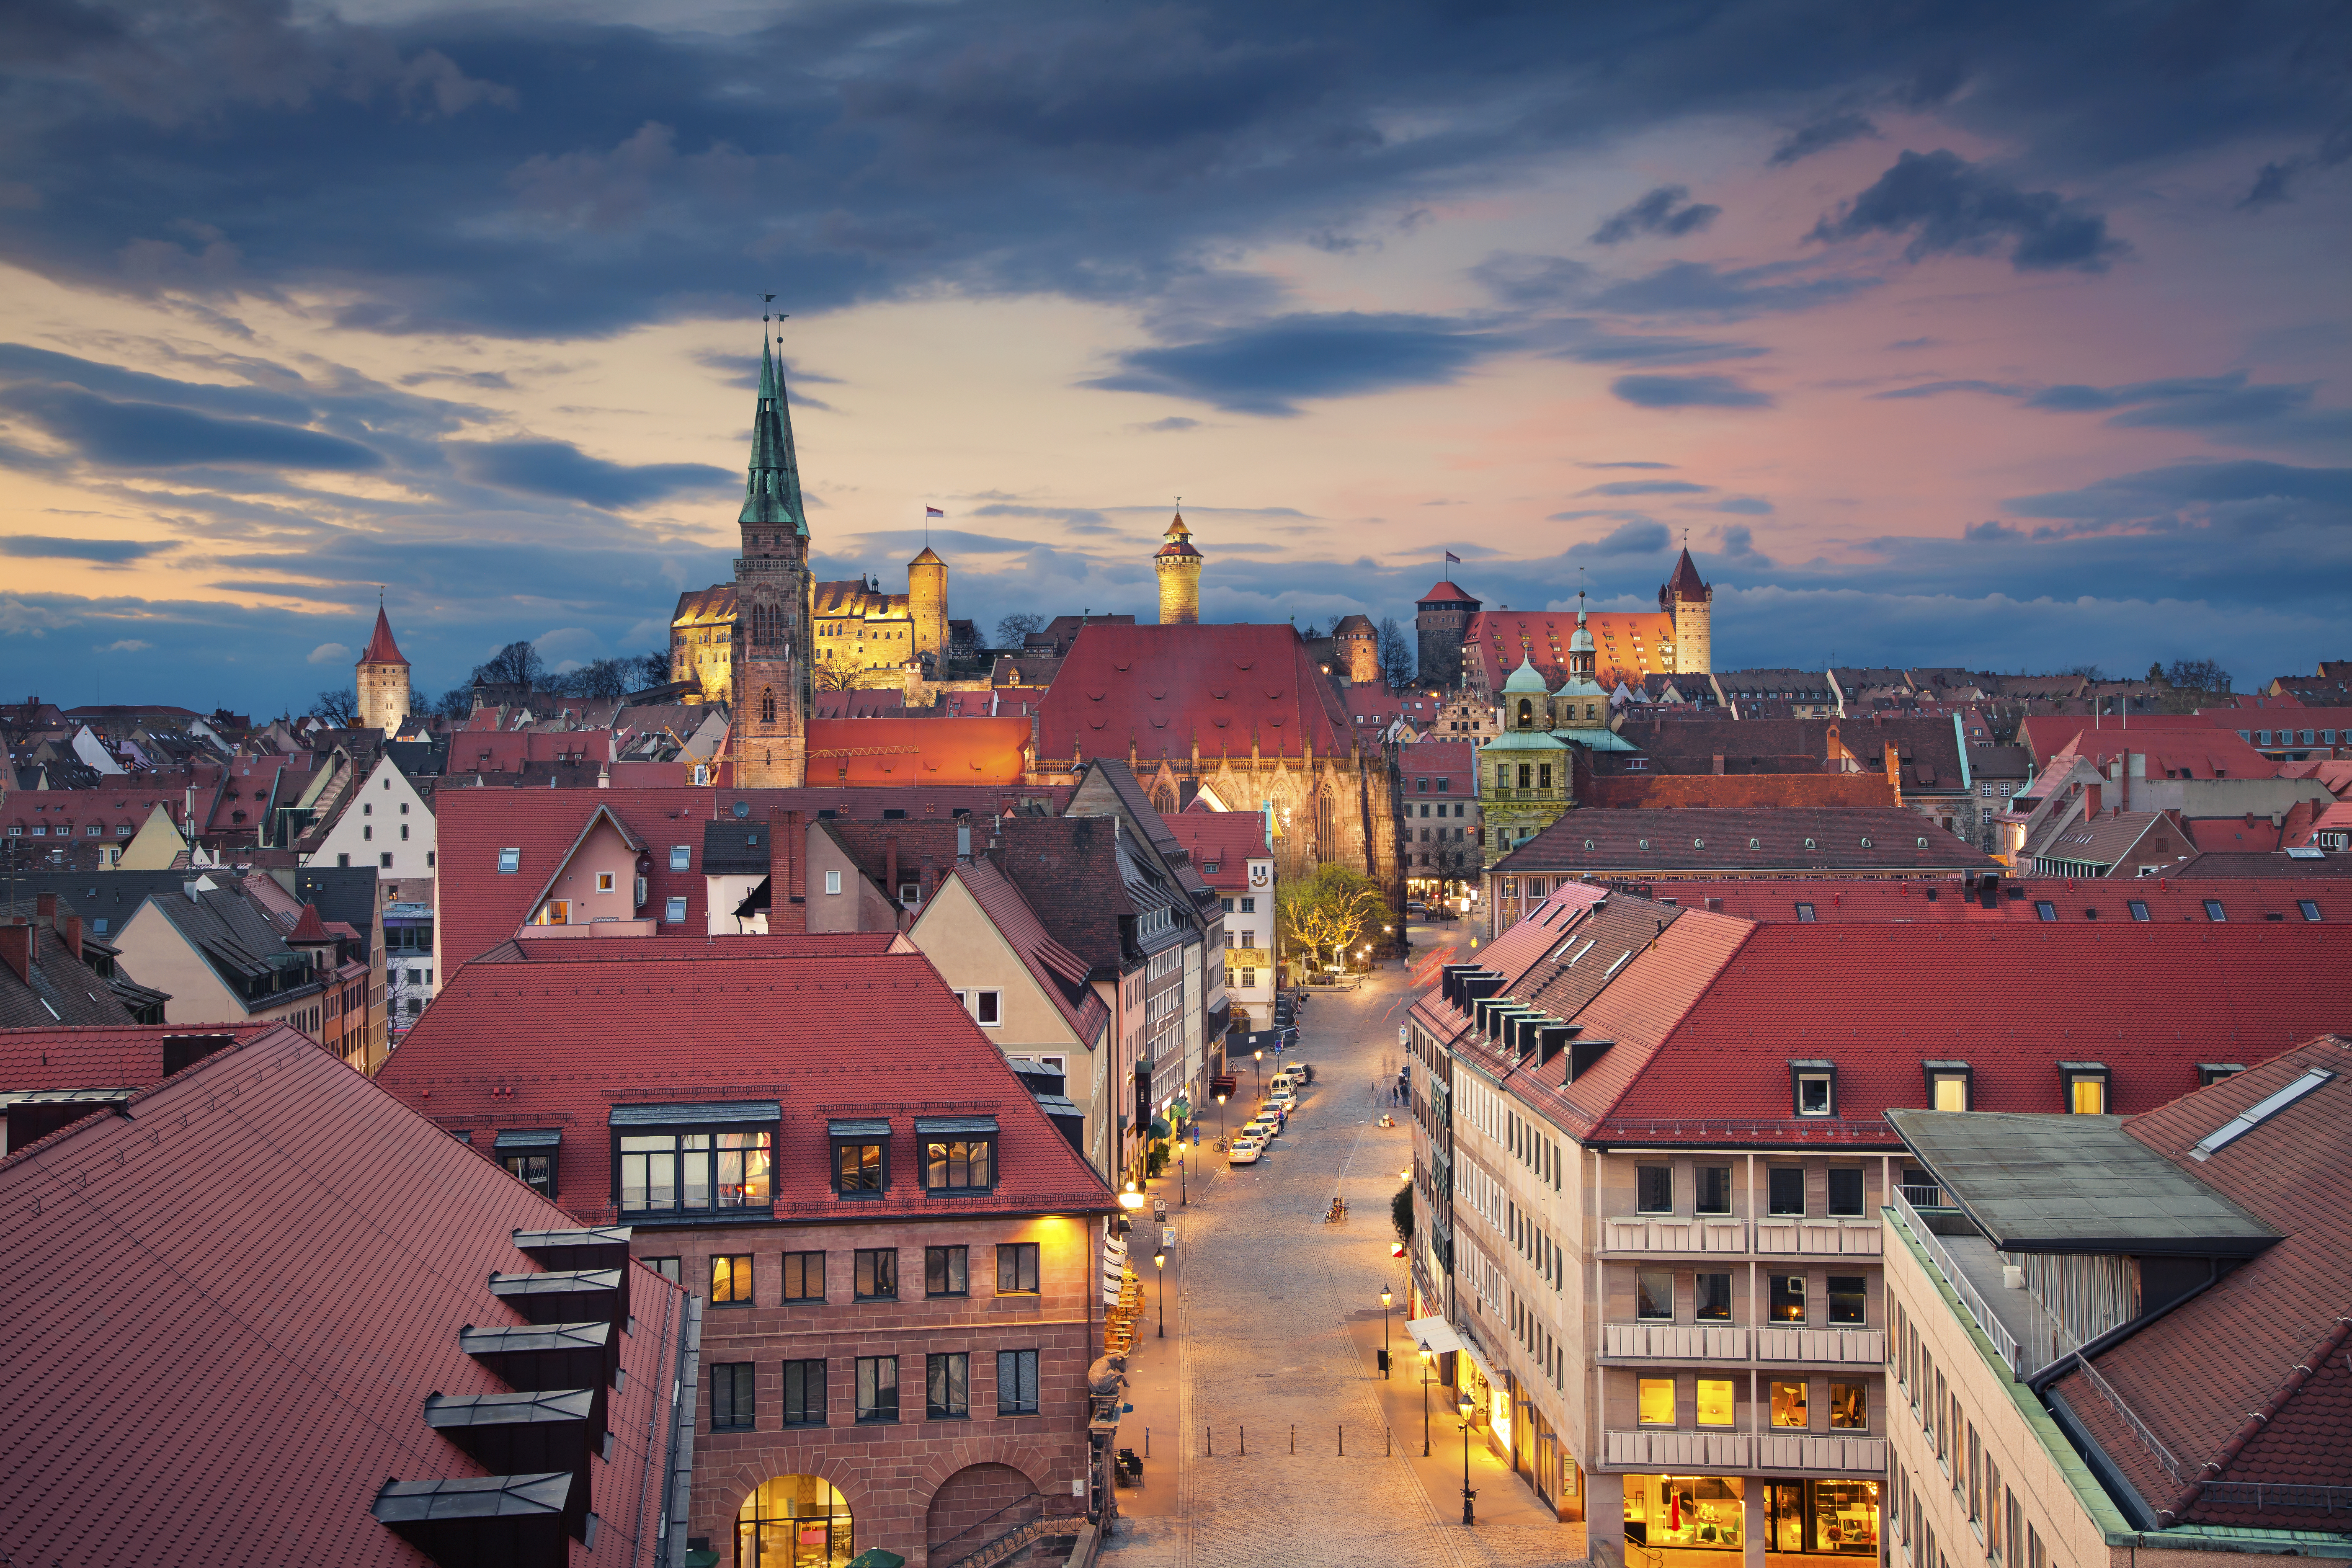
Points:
[767,705]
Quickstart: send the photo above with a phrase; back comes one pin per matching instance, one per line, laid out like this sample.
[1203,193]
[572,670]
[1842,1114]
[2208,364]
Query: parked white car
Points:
[1245,1150]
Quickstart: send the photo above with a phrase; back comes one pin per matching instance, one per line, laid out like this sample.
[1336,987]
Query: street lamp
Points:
[1181,1196]
[1131,1199]
[1467,1516]
[1385,1300]
[1159,1262]
[1220,1119]
[1260,1066]
[1428,1361]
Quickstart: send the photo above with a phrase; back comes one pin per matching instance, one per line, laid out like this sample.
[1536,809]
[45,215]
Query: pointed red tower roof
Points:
[1445,593]
[308,930]
[381,648]
[1685,584]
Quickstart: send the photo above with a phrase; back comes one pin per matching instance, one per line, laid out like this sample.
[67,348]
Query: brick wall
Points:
[904,1481]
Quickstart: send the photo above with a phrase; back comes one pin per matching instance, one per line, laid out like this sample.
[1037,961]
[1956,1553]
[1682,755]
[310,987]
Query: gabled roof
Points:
[1060,974]
[120,1056]
[381,648]
[2101,901]
[228,1377]
[2194,745]
[875,1036]
[1751,840]
[1164,689]
[907,753]
[1684,791]
[1220,844]
[231,932]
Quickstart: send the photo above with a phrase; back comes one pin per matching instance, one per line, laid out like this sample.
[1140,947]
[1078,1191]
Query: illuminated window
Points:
[1657,1402]
[1714,1298]
[730,1279]
[1714,1402]
[2087,1087]
[1788,1404]
[1815,1083]
[1850,1406]
[1948,1086]
[1788,1298]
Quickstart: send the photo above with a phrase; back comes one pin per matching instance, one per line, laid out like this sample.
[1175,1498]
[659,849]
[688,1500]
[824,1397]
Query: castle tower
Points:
[1178,567]
[1690,602]
[1441,617]
[382,680]
[927,601]
[772,647]
[1356,647]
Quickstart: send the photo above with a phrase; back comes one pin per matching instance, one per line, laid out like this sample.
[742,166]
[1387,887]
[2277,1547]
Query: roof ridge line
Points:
[2259,1421]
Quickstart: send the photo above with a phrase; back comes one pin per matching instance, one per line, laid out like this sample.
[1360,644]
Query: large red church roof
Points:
[1164,689]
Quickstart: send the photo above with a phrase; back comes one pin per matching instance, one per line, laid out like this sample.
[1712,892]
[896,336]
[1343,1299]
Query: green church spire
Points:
[771,489]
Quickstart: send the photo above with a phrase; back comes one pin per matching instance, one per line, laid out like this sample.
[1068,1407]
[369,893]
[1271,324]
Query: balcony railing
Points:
[1851,1347]
[1846,1238]
[1740,1342]
[2004,1343]
[1677,1342]
[1744,1450]
[1665,1233]
[1924,1197]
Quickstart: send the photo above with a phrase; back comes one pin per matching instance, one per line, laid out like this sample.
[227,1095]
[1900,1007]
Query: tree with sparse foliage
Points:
[1014,630]
[2197,675]
[652,667]
[1329,912]
[338,706]
[1396,654]
[1401,1212]
[456,702]
[517,664]
[598,678]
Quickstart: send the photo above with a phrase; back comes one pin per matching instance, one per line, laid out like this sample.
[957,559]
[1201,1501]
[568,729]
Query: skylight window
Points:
[2215,913]
[509,861]
[1805,913]
[2239,1126]
[2310,908]
[2138,908]
[2045,910]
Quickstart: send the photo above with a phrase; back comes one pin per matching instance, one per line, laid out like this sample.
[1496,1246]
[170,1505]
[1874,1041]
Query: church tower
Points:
[1178,567]
[772,646]
[1690,602]
[383,679]
[927,602]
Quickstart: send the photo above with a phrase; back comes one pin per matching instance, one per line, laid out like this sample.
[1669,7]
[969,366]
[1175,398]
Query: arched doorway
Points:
[794,1521]
[976,1505]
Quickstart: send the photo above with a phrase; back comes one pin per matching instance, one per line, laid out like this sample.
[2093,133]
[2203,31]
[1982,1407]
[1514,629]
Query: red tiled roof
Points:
[1454,760]
[2257,1361]
[381,648]
[1224,839]
[307,928]
[873,1035]
[228,1377]
[1625,645]
[902,752]
[1445,593]
[1060,974]
[2195,745]
[2104,900]
[128,1056]
[1166,689]
[1684,582]
[2232,834]
[1886,840]
[1686,790]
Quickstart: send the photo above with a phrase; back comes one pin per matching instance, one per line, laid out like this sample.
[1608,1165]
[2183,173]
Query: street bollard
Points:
[1147,1442]
[1293,1437]
[1388,1444]
[1244,1442]
[1343,1441]
[1208,1442]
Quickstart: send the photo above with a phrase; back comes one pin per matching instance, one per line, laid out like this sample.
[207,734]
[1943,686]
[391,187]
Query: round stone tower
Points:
[1691,603]
[927,601]
[382,680]
[1178,567]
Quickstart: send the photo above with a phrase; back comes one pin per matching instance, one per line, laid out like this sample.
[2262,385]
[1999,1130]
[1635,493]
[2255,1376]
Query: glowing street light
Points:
[1159,1262]
[1467,1517]
[1131,1199]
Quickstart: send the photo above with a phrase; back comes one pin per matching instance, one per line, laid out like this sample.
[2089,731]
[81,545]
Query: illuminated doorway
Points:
[794,1521]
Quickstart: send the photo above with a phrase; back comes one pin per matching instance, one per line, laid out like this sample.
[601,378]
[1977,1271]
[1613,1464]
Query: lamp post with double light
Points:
[1467,1516]
[1428,1361]
[1159,1262]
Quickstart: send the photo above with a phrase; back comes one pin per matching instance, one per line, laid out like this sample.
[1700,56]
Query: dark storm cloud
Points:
[1668,210]
[1948,206]
[560,469]
[1634,539]
[2230,405]
[457,173]
[1697,287]
[1688,392]
[106,552]
[1820,136]
[157,436]
[1271,367]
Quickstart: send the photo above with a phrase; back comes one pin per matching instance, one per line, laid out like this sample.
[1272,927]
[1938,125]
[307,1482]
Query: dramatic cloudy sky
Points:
[2008,334]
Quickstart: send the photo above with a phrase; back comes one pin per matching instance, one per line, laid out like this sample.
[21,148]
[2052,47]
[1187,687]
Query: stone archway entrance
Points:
[975,1506]
[794,1521]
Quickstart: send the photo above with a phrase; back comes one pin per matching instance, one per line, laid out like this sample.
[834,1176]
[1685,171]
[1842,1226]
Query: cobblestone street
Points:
[1274,1322]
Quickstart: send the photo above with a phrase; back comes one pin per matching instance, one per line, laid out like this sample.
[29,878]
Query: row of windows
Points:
[1711,1190]
[947,1390]
[683,1172]
[1444,787]
[2287,737]
[1653,1298]
[874,1274]
[1459,808]
[1716,1401]
[2082,1086]
[65,830]
[1994,1513]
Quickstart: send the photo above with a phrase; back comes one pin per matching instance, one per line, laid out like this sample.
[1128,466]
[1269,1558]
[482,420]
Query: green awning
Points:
[1159,1127]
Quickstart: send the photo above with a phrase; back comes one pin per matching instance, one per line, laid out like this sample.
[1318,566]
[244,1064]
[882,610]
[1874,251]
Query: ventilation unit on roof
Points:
[2246,1122]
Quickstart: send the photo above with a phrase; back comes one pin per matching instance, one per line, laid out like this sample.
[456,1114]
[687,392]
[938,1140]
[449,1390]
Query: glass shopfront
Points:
[1834,1515]
[1700,1513]
[794,1521]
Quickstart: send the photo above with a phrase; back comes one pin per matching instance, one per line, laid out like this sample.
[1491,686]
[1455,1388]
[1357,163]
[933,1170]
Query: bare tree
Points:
[517,664]
[456,702]
[1015,628]
[1396,654]
[338,705]
[2197,675]
[653,668]
[599,678]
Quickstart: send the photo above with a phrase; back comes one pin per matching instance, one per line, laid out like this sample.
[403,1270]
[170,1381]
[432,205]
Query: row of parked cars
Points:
[1249,1145]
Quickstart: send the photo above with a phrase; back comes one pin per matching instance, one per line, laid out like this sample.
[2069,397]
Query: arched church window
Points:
[1527,714]
[767,705]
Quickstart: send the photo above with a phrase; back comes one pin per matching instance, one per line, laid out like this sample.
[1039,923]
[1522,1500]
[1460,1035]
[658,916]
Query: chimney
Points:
[19,939]
[787,875]
[45,905]
[890,866]
[2091,801]
[1717,761]
[963,842]
[70,931]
